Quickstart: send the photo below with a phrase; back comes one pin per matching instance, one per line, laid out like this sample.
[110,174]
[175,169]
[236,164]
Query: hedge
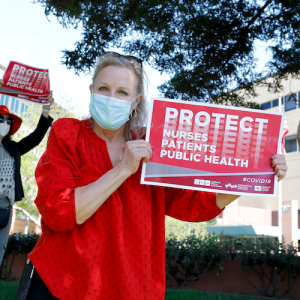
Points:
[18,243]
[190,258]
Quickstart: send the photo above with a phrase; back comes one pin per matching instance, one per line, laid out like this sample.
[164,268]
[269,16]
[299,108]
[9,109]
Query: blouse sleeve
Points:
[191,206]
[57,176]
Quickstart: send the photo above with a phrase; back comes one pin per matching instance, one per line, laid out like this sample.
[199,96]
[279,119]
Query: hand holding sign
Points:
[50,101]
[46,107]
[278,163]
[134,152]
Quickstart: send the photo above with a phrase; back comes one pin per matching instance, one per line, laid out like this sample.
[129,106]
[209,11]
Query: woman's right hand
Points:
[90,197]
[1,83]
[134,152]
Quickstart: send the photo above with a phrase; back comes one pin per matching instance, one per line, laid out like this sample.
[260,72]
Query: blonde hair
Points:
[135,127]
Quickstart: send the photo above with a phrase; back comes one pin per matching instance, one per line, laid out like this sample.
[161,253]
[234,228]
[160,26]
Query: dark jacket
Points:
[16,149]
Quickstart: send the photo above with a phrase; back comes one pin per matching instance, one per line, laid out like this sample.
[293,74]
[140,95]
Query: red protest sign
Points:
[26,82]
[211,140]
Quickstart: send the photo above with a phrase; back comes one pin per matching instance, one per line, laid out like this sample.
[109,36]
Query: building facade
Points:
[257,216]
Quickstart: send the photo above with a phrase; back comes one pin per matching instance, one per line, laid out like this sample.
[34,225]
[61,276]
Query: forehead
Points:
[117,76]
[5,115]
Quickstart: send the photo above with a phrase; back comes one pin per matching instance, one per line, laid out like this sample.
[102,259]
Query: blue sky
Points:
[28,37]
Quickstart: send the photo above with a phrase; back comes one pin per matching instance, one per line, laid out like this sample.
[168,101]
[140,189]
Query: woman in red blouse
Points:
[104,232]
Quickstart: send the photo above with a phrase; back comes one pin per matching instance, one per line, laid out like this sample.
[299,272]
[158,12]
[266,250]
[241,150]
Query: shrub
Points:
[265,262]
[270,262]
[189,258]
[18,243]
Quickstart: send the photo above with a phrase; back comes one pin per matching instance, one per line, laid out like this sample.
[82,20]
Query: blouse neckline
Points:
[97,141]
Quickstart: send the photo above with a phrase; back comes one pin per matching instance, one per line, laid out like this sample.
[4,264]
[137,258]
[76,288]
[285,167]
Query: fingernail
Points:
[271,159]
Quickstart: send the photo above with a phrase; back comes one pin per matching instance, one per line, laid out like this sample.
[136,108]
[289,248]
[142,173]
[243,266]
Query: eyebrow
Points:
[120,87]
[123,87]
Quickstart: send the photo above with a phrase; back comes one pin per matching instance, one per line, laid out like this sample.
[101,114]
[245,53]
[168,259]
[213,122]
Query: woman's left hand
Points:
[50,101]
[279,164]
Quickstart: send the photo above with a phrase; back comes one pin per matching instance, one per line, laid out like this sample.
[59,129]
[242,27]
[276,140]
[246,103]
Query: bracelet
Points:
[46,110]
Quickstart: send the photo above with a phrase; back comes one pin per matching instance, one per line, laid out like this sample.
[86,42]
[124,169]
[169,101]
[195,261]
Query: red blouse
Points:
[119,252]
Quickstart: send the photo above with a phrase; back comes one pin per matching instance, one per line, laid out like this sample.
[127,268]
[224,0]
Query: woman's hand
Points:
[1,83]
[134,152]
[279,164]
[50,101]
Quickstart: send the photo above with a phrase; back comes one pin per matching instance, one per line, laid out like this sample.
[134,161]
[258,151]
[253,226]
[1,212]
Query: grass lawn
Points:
[9,289]
[173,294]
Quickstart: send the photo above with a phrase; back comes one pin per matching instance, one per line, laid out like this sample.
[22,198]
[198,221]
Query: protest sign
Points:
[212,147]
[27,83]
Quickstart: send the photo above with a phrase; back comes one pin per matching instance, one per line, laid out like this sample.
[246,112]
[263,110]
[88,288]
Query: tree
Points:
[30,159]
[205,45]
[267,263]
[182,229]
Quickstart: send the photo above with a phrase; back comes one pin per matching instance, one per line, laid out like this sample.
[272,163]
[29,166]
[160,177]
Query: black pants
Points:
[38,289]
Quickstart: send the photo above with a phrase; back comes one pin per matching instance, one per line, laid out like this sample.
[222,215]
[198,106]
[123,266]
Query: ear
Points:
[136,102]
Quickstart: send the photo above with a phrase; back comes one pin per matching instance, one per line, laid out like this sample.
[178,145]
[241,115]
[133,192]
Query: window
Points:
[290,102]
[275,103]
[291,144]
[266,105]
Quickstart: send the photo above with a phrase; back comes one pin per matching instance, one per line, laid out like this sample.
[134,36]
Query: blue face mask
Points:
[109,112]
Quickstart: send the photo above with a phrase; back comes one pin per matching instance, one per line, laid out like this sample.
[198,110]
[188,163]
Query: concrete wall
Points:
[290,184]
[290,229]
[235,214]
[18,225]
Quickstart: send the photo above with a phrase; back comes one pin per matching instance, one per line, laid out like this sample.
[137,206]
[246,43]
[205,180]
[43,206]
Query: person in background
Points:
[103,231]
[11,189]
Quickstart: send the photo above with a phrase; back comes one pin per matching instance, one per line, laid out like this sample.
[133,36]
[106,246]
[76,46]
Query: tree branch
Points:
[26,213]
